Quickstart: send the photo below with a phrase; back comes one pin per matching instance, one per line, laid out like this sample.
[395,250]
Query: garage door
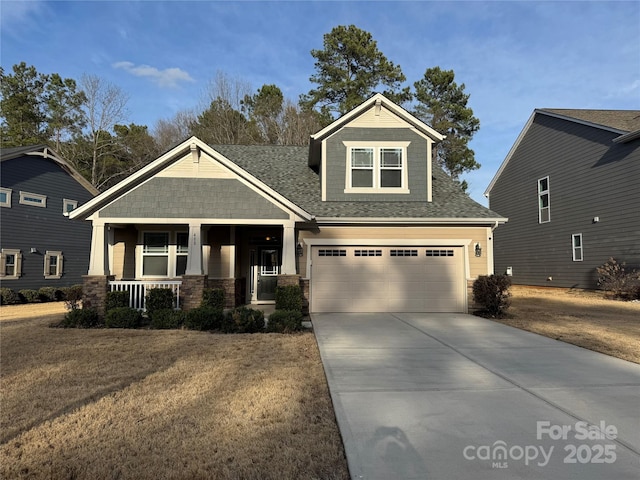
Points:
[387,279]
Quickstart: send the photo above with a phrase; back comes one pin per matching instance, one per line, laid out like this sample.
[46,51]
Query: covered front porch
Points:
[246,261]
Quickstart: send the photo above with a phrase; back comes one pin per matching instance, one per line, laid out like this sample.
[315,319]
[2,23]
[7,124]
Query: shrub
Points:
[9,297]
[50,294]
[492,292]
[81,318]
[614,279]
[204,318]
[167,318]
[213,297]
[158,299]
[289,297]
[285,321]
[30,296]
[123,317]
[117,300]
[72,297]
[243,320]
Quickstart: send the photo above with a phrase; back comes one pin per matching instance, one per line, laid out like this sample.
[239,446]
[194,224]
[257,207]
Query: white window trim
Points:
[66,202]
[59,265]
[575,249]
[172,254]
[377,147]
[25,200]
[3,263]
[546,192]
[7,203]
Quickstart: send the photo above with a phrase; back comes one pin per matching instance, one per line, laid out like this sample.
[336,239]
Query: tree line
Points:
[86,121]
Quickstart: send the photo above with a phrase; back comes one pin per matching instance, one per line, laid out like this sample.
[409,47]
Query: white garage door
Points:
[387,279]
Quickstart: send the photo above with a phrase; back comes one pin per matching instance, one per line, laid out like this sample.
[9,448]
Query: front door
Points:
[268,270]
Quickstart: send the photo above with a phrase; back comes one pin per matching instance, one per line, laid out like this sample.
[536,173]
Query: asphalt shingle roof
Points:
[624,120]
[285,169]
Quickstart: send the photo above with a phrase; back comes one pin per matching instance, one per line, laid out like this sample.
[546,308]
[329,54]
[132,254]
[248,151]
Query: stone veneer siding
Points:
[191,291]
[94,292]
[229,287]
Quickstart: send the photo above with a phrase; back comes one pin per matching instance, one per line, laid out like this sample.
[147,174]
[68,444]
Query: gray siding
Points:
[336,157]
[25,227]
[589,176]
[163,197]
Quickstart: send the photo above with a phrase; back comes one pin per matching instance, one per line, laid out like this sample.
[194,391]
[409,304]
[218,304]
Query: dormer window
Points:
[376,168]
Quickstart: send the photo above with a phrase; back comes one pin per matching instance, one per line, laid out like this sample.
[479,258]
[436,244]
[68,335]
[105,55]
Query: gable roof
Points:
[50,154]
[624,122]
[192,144]
[378,99]
[285,169]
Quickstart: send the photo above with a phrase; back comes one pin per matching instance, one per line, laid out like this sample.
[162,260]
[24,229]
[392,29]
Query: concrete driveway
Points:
[453,396]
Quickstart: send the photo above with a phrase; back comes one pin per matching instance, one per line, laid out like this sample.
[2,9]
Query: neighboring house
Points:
[361,218]
[40,245]
[571,188]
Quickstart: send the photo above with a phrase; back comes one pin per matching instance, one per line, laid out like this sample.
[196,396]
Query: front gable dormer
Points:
[376,152]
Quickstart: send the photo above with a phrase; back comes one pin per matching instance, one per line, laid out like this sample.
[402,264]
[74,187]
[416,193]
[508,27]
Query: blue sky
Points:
[512,56]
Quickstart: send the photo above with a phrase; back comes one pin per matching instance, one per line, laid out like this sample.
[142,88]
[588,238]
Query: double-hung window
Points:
[10,264]
[544,206]
[376,168]
[155,254]
[576,246]
[52,264]
[163,257]
[5,197]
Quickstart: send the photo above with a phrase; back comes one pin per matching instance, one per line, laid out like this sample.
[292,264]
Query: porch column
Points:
[232,251]
[194,255]
[99,259]
[289,250]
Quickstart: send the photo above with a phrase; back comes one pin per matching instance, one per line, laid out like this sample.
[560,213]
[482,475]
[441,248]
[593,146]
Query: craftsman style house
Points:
[361,218]
[40,247]
[570,187]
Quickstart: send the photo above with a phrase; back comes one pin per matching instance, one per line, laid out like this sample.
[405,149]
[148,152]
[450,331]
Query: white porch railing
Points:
[138,290]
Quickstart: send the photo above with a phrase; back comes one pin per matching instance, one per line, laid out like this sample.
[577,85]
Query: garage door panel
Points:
[388,279]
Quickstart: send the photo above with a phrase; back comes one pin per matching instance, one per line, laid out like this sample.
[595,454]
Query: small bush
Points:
[123,317]
[30,296]
[204,318]
[117,300]
[289,297]
[167,318]
[158,299]
[213,297]
[81,318]
[9,297]
[50,294]
[492,293]
[617,282]
[72,297]
[285,321]
[243,320]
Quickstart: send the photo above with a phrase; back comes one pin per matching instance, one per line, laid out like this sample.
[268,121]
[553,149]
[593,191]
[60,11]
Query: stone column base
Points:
[191,291]
[94,292]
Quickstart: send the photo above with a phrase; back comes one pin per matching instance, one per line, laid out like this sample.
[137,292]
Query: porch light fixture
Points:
[299,250]
[478,250]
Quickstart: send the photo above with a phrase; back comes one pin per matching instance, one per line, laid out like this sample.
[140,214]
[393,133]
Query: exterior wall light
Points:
[299,250]
[478,250]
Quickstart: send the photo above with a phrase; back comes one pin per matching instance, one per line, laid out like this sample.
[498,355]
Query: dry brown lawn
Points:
[145,404]
[583,318]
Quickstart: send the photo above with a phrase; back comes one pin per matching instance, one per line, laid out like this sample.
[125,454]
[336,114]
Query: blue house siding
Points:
[46,229]
[589,176]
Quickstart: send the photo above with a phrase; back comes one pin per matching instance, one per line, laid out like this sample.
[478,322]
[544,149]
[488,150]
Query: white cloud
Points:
[169,77]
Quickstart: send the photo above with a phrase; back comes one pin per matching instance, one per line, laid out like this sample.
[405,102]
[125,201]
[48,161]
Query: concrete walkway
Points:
[453,396]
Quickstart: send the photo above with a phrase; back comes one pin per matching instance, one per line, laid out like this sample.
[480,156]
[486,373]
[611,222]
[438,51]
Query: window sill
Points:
[52,277]
[390,190]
